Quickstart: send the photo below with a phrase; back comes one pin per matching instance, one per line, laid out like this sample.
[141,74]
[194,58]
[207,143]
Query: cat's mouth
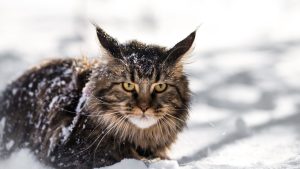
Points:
[143,120]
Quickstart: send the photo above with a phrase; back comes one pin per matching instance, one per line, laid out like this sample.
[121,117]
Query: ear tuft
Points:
[181,48]
[110,44]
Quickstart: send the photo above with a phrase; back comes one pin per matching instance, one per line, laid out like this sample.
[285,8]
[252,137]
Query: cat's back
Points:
[43,80]
[41,100]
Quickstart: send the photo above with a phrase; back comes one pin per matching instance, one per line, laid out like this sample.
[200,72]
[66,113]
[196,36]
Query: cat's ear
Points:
[176,53]
[110,44]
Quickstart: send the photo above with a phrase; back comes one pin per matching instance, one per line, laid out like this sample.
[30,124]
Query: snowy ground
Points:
[244,71]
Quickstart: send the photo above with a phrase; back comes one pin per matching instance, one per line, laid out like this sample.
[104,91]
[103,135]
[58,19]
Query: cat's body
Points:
[75,113]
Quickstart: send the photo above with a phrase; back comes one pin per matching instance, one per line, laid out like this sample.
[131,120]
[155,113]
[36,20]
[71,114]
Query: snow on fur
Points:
[244,73]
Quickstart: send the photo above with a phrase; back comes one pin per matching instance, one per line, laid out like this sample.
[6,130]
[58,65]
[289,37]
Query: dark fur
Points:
[41,107]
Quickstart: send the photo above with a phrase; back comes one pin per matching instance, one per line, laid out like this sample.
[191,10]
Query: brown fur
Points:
[75,113]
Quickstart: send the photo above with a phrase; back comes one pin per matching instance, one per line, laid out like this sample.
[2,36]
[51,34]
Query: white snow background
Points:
[244,71]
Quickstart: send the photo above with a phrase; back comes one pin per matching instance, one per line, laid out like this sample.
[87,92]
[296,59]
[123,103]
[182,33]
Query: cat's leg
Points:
[162,154]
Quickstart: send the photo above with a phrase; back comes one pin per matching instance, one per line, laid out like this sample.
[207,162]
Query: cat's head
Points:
[140,87]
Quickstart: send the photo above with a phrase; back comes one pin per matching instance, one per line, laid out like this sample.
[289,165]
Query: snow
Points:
[66,131]
[51,146]
[237,94]
[9,144]
[128,163]
[260,151]
[54,100]
[2,126]
[136,164]
[81,103]
[23,159]
[244,71]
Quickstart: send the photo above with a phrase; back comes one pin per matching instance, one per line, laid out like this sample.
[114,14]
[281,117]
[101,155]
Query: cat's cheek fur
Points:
[143,122]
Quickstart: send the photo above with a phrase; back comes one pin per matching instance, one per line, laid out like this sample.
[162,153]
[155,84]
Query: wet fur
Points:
[69,111]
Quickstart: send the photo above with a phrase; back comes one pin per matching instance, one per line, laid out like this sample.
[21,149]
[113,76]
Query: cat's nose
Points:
[144,106]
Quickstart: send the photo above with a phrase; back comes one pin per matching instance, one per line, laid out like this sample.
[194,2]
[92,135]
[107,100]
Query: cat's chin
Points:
[143,122]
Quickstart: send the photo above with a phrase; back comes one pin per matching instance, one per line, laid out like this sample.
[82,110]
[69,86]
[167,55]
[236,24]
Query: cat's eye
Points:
[128,86]
[161,87]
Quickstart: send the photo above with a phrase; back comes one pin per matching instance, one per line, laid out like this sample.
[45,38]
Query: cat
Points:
[86,113]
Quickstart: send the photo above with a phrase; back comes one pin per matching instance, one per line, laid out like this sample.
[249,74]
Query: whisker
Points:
[168,125]
[172,121]
[159,126]
[175,117]
[104,102]
[125,129]
[91,115]
[179,109]
[87,115]
[111,126]
[114,125]
[92,132]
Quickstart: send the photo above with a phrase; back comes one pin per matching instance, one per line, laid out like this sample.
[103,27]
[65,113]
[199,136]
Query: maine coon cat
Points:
[83,113]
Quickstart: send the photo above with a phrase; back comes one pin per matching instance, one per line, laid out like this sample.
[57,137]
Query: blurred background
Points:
[244,70]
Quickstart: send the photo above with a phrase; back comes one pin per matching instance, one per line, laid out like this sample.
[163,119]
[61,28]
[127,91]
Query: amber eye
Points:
[128,86]
[161,87]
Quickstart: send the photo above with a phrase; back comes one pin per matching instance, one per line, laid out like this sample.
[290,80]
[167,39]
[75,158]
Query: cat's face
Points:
[141,86]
